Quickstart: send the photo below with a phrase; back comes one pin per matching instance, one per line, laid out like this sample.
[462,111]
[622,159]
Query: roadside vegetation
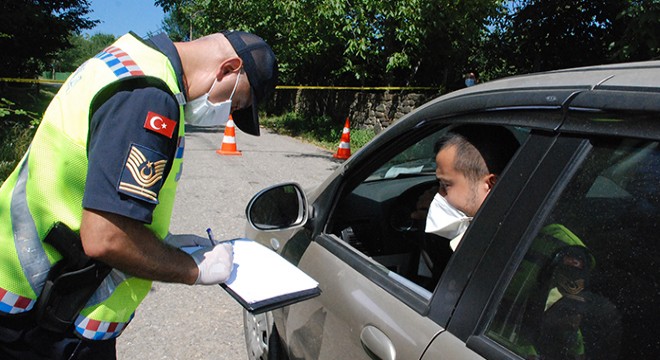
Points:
[319,130]
[21,108]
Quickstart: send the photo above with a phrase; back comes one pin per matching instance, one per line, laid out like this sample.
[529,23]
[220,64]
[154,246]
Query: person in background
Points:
[471,79]
[84,217]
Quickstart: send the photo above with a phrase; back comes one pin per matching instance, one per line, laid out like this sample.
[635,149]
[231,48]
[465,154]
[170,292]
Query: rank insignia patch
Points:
[142,175]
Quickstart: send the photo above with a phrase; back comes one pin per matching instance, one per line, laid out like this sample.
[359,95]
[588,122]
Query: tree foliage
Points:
[538,35]
[33,31]
[356,42]
[638,32]
[82,48]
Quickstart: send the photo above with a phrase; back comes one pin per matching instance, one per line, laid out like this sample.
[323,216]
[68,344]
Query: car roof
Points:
[613,88]
[629,75]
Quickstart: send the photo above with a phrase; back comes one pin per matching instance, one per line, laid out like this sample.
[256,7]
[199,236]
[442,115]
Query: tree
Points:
[32,32]
[82,48]
[357,42]
[172,25]
[639,34]
[537,35]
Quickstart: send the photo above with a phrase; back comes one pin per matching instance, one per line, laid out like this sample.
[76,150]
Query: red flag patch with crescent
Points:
[160,124]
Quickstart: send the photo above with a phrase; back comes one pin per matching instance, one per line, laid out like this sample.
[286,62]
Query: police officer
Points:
[101,173]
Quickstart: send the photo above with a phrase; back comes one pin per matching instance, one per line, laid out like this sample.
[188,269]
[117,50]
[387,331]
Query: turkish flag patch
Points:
[160,124]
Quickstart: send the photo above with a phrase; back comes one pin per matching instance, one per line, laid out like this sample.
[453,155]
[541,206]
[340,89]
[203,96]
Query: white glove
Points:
[214,263]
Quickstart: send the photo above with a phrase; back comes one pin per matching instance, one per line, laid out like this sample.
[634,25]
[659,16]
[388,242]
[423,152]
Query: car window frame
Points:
[509,245]
[438,307]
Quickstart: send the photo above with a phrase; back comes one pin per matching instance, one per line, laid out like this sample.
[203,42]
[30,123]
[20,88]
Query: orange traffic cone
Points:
[228,146]
[344,150]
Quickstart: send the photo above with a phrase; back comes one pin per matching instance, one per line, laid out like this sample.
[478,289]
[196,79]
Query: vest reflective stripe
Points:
[181,144]
[119,62]
[99,330]
[31,254]
[106,288]
[11,303]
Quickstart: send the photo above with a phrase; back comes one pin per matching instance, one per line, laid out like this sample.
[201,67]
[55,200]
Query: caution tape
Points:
[356,88]
[279,87]
[41,81]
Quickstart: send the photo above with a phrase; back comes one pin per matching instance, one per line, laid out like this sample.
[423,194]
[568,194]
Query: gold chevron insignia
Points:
[144,172]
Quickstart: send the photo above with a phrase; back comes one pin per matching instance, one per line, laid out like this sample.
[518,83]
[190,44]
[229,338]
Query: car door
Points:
[571,273]
[451,303]
[376,301]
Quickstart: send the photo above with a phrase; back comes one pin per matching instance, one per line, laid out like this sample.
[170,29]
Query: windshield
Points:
[416,160]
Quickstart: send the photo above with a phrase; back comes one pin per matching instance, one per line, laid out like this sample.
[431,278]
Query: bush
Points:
[21,108]
[15,141]
[321,131]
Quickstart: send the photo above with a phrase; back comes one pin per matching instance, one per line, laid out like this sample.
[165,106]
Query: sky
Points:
[121,16]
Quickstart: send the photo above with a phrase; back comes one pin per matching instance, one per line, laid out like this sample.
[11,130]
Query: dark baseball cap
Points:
[260,66]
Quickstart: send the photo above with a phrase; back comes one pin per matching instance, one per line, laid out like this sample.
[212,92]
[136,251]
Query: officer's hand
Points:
[214,263]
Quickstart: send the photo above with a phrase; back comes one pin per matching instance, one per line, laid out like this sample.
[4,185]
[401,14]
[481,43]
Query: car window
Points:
[413,161]
[588,285]
[376,216]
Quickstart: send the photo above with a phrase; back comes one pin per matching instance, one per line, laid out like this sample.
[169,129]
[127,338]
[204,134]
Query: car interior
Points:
[375,217]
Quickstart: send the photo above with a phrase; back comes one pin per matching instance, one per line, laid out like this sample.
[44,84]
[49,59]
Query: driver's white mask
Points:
[446,221]
[204,113]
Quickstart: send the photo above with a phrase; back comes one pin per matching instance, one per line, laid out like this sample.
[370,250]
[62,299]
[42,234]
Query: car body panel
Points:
[338,330]
[448,346]
[565,111]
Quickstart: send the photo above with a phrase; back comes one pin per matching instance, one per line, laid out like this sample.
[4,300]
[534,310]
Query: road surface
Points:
[203,322]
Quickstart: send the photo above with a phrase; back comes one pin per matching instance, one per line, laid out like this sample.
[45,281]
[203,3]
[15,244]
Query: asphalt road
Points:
[203,322]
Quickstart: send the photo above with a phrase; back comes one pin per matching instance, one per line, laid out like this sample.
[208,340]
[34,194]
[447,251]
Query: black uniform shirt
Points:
[124,151]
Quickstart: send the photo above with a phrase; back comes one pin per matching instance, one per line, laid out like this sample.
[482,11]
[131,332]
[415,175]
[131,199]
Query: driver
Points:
[469,160]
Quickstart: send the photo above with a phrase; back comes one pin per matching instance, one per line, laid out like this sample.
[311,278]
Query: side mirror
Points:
[278,207]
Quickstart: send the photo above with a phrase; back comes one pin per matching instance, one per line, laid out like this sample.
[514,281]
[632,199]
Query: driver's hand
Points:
[214,263]
[423,203]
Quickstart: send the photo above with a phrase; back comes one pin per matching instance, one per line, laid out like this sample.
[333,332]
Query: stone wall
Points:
[366,109]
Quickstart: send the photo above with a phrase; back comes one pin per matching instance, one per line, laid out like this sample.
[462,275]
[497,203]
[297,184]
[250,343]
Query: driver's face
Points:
[457,189]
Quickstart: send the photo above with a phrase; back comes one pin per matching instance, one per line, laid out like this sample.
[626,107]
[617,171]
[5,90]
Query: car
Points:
[588,165]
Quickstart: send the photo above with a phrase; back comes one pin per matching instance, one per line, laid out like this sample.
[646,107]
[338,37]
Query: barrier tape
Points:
[43,81]
[358,88]
[279,87]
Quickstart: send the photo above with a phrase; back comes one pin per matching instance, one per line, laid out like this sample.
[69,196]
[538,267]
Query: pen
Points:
[211,239]
[214,242]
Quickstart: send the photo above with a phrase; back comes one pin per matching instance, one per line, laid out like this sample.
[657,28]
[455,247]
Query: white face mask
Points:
[446,221]
[202,112]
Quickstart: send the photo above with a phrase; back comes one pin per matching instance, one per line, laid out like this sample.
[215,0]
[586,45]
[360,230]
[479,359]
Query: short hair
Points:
[480,149]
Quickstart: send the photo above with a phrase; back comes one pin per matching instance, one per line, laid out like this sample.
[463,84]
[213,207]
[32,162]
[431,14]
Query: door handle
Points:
[376,344]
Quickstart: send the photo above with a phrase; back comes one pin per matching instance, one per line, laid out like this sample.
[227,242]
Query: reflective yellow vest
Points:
[48,185]
[507,327]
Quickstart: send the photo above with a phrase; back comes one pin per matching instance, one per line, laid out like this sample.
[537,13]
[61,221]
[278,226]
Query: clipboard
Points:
[262,280]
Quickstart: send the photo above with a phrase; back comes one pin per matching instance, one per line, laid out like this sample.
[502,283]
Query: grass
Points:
[320,130]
